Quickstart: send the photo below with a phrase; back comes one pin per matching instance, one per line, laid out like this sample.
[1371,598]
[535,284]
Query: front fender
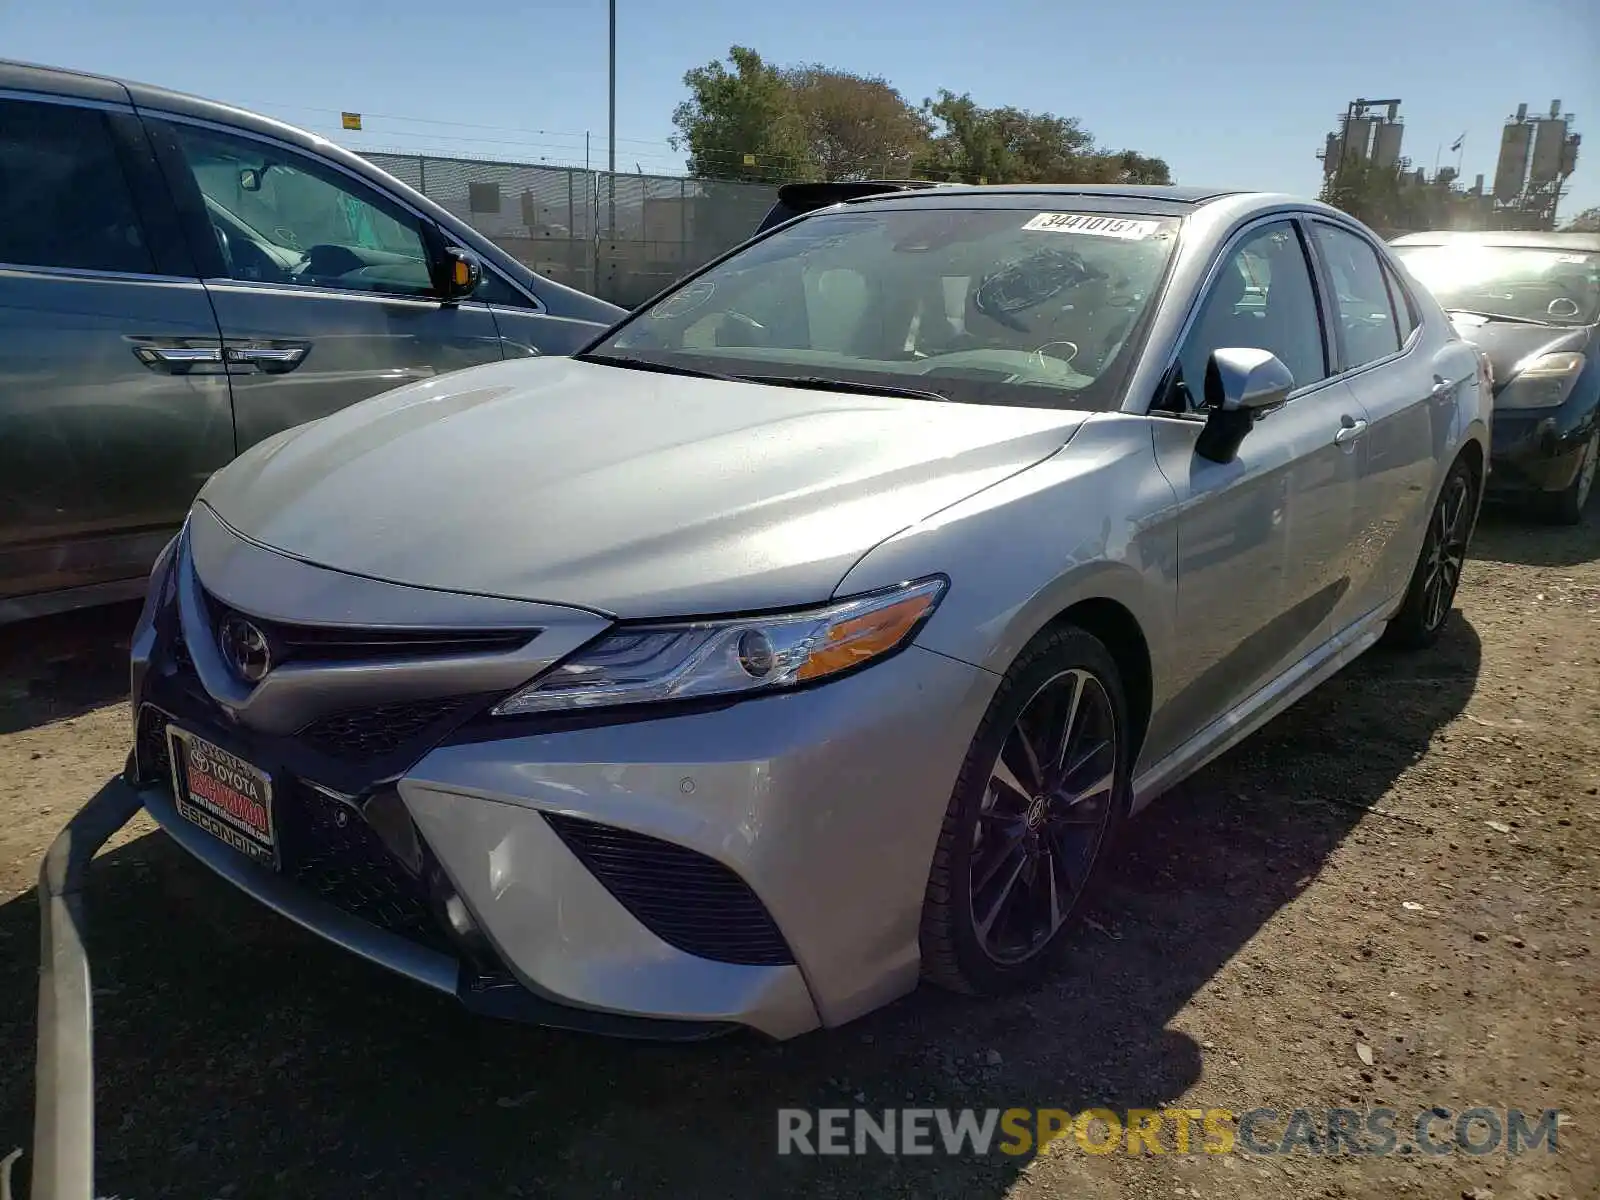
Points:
[1096,521]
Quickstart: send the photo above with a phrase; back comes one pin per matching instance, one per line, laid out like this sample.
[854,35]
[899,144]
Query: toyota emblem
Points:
[246,649]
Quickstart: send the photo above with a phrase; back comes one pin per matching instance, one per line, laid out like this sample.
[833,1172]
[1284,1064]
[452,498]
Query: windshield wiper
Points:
[647,364]
[819,383]
[1494,316]
[814,382]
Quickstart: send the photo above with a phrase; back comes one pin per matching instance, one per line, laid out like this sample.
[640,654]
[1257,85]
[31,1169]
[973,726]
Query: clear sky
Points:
[1228,92]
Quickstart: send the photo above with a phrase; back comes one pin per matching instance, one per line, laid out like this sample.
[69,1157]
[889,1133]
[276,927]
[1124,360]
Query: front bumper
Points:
[822,807]
[665,872]
[1535,452]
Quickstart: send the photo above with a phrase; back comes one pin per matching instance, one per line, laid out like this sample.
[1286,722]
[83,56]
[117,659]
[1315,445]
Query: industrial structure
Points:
[1363,159]
[1537,154]
[1369,132]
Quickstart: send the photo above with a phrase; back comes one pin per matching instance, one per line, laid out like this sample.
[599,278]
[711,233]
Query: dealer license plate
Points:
[223,794]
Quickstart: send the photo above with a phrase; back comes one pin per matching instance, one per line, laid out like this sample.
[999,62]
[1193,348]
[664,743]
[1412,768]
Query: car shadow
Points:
[1508,534]
[61,666]
[239,1056]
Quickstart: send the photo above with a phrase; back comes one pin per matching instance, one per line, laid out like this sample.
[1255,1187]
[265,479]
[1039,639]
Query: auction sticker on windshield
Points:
[223,794]
[1094,223]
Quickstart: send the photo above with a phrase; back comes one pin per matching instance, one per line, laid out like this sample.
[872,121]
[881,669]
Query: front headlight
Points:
[1543,381]
[682,661]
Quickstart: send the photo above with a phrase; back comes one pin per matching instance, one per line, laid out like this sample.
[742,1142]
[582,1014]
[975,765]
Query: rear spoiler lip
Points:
[797,199]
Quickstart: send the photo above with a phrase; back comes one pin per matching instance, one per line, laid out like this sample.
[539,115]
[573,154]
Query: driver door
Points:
[322,285]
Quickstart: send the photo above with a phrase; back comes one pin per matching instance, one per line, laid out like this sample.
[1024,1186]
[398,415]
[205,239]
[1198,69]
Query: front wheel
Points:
[1566,506]
[1438,571]
[1043,786]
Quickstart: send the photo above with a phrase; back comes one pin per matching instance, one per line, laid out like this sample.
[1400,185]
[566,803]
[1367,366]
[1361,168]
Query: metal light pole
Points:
[611,136]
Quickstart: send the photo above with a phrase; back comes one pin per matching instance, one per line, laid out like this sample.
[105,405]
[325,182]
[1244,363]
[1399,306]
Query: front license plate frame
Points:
[222,804]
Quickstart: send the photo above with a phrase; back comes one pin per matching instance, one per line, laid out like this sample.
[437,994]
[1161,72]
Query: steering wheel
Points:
[225,244]
[1068,360]
[1027,364]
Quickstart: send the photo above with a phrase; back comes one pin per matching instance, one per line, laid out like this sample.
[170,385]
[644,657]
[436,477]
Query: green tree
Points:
[742,123]
[972,144]
[1126,166]
[747,119]
[856,126]
[1588,221]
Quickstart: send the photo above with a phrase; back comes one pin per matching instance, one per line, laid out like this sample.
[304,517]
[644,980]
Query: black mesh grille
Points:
[374,732]
[150,751]
[685,898]
[331,851]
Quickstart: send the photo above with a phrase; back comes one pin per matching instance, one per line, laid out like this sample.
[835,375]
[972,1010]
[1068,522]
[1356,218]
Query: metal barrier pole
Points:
[63,1122]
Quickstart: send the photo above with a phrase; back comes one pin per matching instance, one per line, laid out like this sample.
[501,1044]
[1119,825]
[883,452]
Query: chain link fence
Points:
[620,237]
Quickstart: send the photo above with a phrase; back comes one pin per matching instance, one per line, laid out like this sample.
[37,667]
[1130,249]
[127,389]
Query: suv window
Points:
[1361,299]
[1261,299]
[64,200]
[281,217]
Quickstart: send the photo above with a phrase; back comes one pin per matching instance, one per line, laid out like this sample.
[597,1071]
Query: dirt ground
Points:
[1404,867]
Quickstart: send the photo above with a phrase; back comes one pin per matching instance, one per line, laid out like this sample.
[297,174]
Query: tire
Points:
[1566,507]
[1437,575]
[1056,837]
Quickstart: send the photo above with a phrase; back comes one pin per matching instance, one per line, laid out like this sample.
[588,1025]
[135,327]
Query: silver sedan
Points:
[811,632]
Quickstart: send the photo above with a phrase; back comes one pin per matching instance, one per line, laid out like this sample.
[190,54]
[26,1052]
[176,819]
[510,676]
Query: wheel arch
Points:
[1115,625]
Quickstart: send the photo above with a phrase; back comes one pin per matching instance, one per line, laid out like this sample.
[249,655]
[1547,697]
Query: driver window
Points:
[1260,299]
[280,217]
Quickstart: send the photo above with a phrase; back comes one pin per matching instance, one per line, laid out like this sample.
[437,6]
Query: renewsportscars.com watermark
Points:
[1432,1132]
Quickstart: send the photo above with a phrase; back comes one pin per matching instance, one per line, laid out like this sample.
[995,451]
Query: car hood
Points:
[1508,343]
[630,492]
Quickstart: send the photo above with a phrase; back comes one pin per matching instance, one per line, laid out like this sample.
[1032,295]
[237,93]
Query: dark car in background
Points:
[1531,303]
[180,279]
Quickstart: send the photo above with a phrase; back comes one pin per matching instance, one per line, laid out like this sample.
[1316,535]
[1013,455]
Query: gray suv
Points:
[180,279]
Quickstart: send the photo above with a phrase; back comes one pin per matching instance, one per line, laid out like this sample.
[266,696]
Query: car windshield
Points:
[1561,287]
[997,306]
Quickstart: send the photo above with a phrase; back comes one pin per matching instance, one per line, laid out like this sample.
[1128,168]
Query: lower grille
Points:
[331,851]
[150,753]
[685,898]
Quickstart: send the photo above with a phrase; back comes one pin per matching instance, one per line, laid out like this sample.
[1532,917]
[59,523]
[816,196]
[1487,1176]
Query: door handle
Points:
[1350,428]
[273,358]
[176,360]
[1441,389]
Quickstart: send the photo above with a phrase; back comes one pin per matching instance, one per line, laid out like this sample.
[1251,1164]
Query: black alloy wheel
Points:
[1039,796]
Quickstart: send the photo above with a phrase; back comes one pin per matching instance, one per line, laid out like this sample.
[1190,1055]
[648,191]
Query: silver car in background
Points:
[811,632]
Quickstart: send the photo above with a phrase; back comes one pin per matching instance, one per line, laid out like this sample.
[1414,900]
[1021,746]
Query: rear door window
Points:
[64,199]
[1362,307]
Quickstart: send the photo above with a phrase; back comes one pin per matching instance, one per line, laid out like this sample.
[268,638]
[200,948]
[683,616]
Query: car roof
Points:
[1531,239]
[1166,194]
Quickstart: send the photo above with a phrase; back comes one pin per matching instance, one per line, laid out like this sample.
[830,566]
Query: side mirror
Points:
[250,178]
[460,274]
[1242,385]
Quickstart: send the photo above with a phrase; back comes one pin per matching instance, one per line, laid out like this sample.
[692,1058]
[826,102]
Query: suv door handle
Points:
[1441,389]
[176,360]
[273,358]
[1350,428]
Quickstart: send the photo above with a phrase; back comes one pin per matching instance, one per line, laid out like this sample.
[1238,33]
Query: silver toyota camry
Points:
[811,632]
